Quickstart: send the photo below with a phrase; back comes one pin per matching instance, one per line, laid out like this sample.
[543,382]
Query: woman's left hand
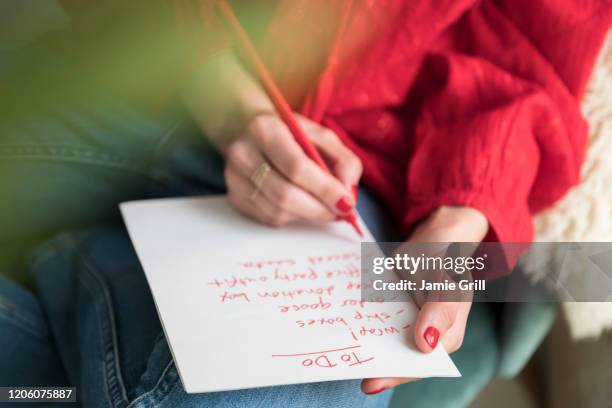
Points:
[439,322]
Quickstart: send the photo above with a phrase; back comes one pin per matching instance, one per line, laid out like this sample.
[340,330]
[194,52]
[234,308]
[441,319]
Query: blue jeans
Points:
[91,321]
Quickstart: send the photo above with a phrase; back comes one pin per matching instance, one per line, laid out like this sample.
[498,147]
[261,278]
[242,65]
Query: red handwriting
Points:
[291,294]
[323,321]
[266,262]
[316,352]
[349,256]
[314,292]
[353,302]
[320,305]
[375,331]
[348,271]
[352,285]
[295,276]
[381,317]
[353,359]
[234,281]
[329,358]
[234,296]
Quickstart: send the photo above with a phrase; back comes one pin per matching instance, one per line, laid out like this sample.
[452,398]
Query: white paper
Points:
[241,303]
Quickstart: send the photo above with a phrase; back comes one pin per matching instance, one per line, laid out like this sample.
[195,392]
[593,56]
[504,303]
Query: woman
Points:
[463,116]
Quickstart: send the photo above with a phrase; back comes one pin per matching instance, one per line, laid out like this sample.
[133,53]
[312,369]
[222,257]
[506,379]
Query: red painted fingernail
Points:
[345,204]
[355,191]
[431,336]
[376,391]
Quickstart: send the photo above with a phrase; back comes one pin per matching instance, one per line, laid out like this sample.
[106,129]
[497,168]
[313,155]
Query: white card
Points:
[244,305]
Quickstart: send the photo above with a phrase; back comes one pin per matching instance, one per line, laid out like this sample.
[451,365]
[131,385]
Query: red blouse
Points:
[456,102]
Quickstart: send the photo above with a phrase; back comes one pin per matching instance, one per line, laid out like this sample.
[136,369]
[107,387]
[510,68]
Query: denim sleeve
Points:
[23,21]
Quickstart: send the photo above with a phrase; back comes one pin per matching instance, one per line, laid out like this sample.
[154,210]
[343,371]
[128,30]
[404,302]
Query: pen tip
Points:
[351,218]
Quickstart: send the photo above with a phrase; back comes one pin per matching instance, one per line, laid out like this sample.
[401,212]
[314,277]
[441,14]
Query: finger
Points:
[255,212]
[294,200]
[245,158]
[344,164]
[453,338]
[433,322]
[373,386]
[240,192]
[288,157]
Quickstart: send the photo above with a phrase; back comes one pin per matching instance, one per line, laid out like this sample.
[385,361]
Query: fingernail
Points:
[345,204]
[431,336]
[376,391]
[355,191]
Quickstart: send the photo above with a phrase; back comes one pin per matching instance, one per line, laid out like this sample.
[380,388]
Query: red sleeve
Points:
[504,133]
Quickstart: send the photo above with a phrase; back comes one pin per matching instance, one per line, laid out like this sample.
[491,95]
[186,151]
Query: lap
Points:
[104,320]
[67,164]
[25,341]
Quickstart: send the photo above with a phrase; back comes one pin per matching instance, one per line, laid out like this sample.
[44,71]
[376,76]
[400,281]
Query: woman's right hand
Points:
[292,187]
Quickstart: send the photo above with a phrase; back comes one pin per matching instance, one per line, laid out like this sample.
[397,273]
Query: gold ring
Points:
[258,177]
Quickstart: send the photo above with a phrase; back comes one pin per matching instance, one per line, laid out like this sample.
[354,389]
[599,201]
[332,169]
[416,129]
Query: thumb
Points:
[434,320]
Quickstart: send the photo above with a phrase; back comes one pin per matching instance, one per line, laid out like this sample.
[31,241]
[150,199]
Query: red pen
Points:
[275,95]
